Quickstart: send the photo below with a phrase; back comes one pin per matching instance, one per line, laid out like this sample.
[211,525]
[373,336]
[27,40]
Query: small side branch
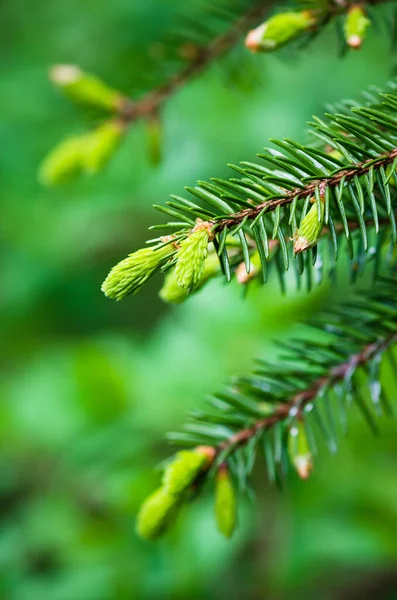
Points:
[301,399]
[150,104]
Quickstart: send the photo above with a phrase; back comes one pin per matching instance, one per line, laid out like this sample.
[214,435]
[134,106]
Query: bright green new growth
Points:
[299,450]
[183,470]
[225,503]
[129,275]
[310,228]
[85,88]
[63,162]
[171,290]
[279,30]
[161,508]
[191,257]
[356,24]
[88,153]
[100,146]
[157,514]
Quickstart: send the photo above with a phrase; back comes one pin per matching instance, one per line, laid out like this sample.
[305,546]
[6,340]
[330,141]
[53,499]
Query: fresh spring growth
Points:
[161,508]
[172,292]
[154,133]
[310,228]
[299,451]
[63,162]
[356,24]
[129,275]
[85,88]
[100,145]
[278,30]
[185,467]
[225,502]
[191,256]
[157,514]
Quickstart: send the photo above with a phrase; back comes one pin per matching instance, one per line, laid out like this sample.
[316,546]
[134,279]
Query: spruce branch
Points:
[282,407]
[68,158]
[301,399]
[343,183]
[153,101]
[121,111]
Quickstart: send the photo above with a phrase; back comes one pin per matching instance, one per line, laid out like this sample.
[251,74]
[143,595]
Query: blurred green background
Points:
[89,387]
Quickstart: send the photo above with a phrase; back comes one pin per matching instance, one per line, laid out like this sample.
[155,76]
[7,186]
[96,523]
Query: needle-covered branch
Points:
[224,26]
[343,184]
[284,407]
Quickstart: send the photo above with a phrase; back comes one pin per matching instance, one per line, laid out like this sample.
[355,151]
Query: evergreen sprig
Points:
[183,57]
[207,33]
[342,187]
[283,408]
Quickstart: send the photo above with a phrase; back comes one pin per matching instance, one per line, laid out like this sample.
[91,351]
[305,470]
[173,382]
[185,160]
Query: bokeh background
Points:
[89,387]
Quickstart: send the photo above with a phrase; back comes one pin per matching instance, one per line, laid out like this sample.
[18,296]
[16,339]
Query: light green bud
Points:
[157,514]
[85,88]
[63,162]
[191,256]
[299,450]
[154,132]
[310,228]
[356,24]
[225,503]
[183,470]
[100,146]
[278,30]
[129,275]
[172,292]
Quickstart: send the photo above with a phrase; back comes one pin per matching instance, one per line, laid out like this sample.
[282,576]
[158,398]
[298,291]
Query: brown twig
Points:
[150,104]
[347,174]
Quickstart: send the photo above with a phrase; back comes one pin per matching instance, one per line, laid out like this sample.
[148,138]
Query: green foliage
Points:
[286,27]
[299,451]
[214,40]
[159,511]
[173,292]
[183,56]
[183,470]
[157,514]
[351,194]
[87,153]
[63,162]
[191,257]
[282,408]
[225,503]
[88,386]
[310,228]
[129,275]
[279,30]
[85,88]
[356,25]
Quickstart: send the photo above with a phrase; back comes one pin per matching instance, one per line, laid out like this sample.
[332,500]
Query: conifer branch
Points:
[282,406]
[151,103]
[344,182]
[333,181]
[89,153]
[298,402]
